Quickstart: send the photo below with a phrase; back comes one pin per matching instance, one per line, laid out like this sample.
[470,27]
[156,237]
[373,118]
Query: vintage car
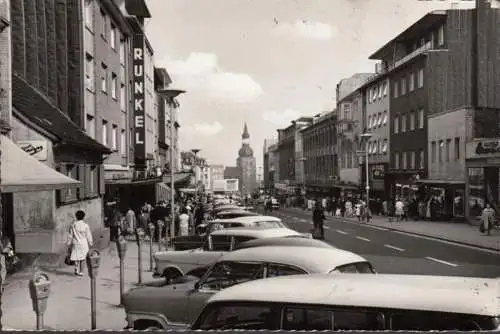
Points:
[357,303]
[234,213]
[297,242]
[178,305]
[172,264]
[200,239]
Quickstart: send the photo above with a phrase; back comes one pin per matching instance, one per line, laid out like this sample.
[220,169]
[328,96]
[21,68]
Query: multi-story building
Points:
[319,154]
[376,109]
[106,48]
[162,80]
[202,174]
[48,112]
[266,160]
[349,128]
[299,158]
[151,119]
[216,173]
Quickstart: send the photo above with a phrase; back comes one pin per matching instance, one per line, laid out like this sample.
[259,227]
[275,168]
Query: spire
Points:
[245,134]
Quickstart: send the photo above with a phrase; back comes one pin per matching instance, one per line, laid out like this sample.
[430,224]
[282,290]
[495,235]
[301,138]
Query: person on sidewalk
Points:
[184,222]
[399,209]
[80,241]
[487,219]
[318,220]
[131,221]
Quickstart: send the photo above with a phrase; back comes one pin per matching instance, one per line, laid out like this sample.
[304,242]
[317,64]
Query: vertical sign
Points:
[138,91]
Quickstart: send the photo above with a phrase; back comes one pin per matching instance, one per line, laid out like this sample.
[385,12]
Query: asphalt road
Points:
[394,252]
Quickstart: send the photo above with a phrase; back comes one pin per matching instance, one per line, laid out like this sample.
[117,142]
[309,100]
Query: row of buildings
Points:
[427,119]
[86,120]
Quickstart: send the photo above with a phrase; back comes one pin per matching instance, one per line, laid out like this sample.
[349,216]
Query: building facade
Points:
[48,112]
[320,155]
[267,161]
[246,165]
[376,121]
[299,159]
[216,173]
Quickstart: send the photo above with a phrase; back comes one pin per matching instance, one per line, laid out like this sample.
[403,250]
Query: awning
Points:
[450,182]
[163,192]
[178,177]
[23,173]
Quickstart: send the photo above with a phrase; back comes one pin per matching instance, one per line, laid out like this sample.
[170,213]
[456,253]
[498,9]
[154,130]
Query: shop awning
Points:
[21,172]
[178,177]
[440,182]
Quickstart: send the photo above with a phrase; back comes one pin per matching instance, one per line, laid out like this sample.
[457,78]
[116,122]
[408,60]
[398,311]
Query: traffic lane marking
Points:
[326,227]
[341,232]
[441,261]
[394,247]
[363,238]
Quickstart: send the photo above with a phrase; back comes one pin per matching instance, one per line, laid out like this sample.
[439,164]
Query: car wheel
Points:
[170,275]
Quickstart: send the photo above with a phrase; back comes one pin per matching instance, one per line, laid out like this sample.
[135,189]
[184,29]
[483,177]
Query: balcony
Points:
[427,46]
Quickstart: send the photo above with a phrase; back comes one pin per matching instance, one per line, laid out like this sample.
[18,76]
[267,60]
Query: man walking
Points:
[318,220]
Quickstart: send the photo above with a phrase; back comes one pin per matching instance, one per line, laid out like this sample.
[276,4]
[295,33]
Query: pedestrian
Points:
[357,210]
[80,241]
[184,222]
[318,220]
[131,221]
[399,209]
[487,219]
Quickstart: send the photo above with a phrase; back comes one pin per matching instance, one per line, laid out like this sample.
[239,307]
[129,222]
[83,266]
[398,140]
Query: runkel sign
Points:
[138,91]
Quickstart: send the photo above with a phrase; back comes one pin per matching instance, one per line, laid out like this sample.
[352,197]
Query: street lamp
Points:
[169,95]
[366,136]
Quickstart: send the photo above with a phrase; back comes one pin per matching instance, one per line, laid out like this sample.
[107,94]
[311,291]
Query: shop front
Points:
[378,177]
[404,185]
[482,184]
[445,200]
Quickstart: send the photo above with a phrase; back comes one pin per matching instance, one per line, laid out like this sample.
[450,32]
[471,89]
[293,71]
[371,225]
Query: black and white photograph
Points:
[276,165]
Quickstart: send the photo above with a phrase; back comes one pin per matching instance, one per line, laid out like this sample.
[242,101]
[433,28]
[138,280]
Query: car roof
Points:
[310,259]
[249,213]
[464,295]
[248,219]
[257,232]
[284,241]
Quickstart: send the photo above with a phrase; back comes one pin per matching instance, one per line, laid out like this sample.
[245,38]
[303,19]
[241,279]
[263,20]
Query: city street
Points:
[397,252]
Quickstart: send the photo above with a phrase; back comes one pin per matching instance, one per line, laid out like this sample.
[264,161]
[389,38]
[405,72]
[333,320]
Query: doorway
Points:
[8,218]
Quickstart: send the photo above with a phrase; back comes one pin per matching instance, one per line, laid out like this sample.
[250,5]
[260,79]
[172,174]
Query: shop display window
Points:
[477,191]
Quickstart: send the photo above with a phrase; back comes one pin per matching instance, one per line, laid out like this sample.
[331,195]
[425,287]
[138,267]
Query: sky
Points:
[266,62]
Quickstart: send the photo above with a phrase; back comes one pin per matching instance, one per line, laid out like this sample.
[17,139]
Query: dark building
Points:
[47,107]
[320,155]
[286,149]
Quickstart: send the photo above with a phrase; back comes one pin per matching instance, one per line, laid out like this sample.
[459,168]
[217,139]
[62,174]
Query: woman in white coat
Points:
[80,240]
[184,221]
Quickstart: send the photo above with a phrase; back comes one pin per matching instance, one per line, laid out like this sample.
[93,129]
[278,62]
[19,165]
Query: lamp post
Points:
[366,136]
[169,95]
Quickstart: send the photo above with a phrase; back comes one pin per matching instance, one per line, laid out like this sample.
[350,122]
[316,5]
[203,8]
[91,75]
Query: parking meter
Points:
[39,287]
[93,262]
[139,234]
[121,244]
[151,227]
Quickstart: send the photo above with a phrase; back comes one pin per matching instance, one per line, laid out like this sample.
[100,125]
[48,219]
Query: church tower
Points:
[246,164]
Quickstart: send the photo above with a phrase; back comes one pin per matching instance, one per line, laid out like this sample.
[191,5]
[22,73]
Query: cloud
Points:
[280,118]
[205,129]
[307,29]
[201,74]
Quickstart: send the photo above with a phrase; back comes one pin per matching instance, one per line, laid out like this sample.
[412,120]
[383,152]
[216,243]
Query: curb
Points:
[496,250]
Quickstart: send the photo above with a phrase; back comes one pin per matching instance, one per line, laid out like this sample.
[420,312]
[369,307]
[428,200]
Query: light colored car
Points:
[178,305]
[234,213]
[356,302]
[172,264]
[297,242]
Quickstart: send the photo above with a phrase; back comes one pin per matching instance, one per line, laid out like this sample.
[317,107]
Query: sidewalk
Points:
[459,233]
[69,301]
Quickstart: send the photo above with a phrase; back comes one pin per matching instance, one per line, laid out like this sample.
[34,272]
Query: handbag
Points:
[67,259]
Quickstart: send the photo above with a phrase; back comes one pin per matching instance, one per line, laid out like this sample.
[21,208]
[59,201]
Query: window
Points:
[413,157]
[457,148]
[396,160]
[412,121]
[440,151]
[447,150]
[104,77]
[403,160]
[395,90]
[421,159]
[396,124]
[384,118]
[104,25]
[420,78]
[90,126]
[385,146]
[403,123]
[112,36]
[226,274]
[385,88]
[114,137]
[441,35]
[302,319]
[123,98]
[347,111]
[105,133]
[123,143]
[403,86]
[221,242]
[433,152]
[89,72]
[355,268]
[346,320]
[89,14]
[421,118]
[114,86]
[233,315]
[433,321]
[412,82]
[275,269]
[369,122]
[380,91]
[379,119]
[122,51]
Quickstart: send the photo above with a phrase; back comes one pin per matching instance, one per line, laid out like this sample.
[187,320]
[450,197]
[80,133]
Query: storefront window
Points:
[476,191]
[458,203]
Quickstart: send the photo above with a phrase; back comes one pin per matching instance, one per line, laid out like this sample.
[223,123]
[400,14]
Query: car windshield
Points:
[269,224]
[226,274]
[250,317]
[355,268]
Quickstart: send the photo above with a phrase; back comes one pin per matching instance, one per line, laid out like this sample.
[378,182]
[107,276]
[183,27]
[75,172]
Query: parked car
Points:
[200,238]
[178,305]
[284,241]
[234,213]
[355,302]
[172,264]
